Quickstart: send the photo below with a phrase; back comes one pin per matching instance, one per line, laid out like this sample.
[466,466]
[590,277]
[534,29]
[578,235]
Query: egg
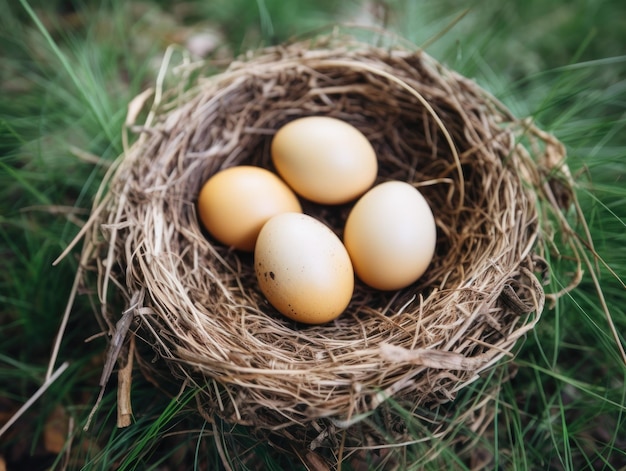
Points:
[324,159]
[235,203]
[390,234]
[303,268]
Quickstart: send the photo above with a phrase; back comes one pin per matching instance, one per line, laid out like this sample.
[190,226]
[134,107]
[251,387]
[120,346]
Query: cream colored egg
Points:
[324,159]
[390,235]
[303,269]
[234,204]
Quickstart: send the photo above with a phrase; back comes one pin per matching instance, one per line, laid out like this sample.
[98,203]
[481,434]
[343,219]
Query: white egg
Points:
[324,159]
[390,235]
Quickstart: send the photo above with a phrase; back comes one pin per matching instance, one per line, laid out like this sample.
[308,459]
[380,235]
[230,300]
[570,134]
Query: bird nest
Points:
[192,310]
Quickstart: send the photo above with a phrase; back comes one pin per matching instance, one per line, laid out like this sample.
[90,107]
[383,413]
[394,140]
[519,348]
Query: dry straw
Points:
[192,310]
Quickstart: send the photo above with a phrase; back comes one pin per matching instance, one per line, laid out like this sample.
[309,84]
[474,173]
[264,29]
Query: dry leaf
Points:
[55,431]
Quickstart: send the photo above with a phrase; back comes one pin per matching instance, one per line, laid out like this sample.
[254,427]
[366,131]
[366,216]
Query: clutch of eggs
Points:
[303,269]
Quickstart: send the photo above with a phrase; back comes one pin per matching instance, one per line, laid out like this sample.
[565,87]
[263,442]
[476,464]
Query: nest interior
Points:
[196,303]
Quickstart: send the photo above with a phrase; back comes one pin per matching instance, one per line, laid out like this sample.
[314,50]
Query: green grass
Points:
[67,72]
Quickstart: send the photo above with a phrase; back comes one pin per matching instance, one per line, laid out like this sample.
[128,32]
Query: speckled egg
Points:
[303,268]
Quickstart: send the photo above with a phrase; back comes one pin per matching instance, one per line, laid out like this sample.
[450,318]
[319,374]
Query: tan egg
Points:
[234,204]
[324,160]
[390,235]
[303,269]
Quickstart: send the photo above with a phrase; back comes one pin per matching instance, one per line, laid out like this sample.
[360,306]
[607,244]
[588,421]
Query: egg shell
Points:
[390,235]
[324,159]
[235,203]
[303,268]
